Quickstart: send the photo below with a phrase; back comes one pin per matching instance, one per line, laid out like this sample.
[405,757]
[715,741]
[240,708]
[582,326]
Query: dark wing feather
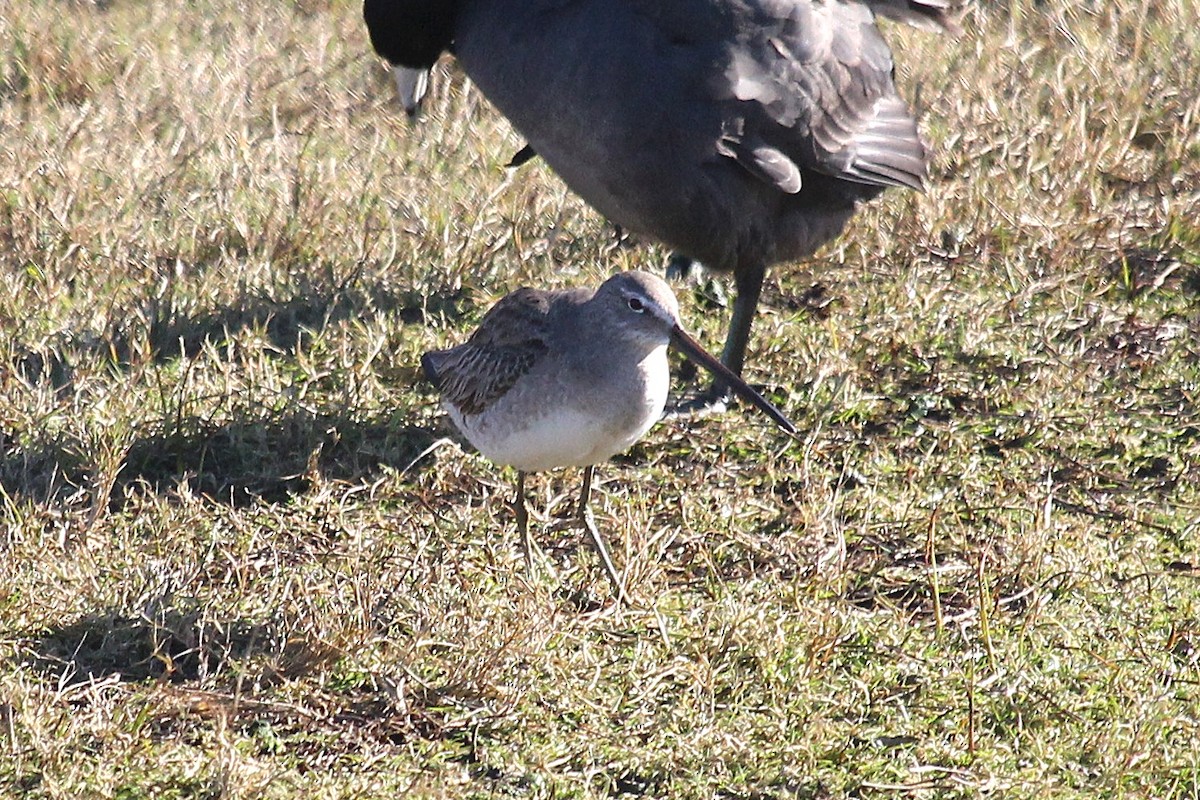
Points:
[809,88]
[842,116]
[930,15]
[510,339]
[526,153]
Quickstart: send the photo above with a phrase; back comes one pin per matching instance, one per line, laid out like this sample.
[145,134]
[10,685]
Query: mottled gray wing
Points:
[510,339]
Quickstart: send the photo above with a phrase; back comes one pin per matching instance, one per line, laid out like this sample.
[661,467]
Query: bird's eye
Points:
[635,304]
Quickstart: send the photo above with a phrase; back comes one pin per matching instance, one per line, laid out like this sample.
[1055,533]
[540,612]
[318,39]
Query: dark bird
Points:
[741,133]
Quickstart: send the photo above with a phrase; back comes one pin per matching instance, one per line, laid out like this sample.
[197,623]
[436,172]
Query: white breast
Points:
[533,431]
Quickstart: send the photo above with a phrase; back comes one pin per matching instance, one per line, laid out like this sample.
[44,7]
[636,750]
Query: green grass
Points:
[244,557]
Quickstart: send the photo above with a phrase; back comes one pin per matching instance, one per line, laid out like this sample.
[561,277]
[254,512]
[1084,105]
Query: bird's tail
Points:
[939,16]
[429,365]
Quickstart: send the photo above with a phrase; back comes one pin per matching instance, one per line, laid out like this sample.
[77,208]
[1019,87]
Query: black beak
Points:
[692,349]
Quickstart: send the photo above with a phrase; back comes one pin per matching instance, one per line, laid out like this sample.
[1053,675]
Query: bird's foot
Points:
[682,268]
[537,563]
[708,402]
[709,289]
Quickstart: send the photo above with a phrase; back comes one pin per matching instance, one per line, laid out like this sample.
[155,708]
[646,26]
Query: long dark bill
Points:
[692,349]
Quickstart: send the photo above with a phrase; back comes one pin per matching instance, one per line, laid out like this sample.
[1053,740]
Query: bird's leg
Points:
[715,399]
[523,523]
[749,283]
[589,522]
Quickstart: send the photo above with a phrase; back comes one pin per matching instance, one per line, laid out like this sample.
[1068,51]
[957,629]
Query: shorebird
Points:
[741,133]
[569,379]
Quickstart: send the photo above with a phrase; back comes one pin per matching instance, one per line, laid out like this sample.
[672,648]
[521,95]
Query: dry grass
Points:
[238,560]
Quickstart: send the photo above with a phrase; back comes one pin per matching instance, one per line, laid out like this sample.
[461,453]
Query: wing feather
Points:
[811,82]
[510,339]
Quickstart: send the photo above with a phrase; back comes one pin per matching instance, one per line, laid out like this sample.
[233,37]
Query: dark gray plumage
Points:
[741,133]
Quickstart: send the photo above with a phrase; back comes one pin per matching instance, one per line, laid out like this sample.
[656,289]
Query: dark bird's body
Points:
[741,133]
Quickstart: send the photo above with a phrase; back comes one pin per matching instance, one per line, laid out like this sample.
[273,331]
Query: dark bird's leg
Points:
[715,399]
[589,522]
[749,281]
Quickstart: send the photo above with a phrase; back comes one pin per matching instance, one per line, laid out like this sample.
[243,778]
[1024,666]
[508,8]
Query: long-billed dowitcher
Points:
[569,379]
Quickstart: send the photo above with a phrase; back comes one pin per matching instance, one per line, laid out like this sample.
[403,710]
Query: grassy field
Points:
[242,556]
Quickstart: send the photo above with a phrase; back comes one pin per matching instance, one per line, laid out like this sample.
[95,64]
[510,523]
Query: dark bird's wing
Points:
[510,339]
[817,79]
[937,16]
[808,86]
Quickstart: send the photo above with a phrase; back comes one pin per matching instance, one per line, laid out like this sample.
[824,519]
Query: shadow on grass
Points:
[205,668]
[271,460]
[168,328]
[287,324]
[171,642]
[239,462]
